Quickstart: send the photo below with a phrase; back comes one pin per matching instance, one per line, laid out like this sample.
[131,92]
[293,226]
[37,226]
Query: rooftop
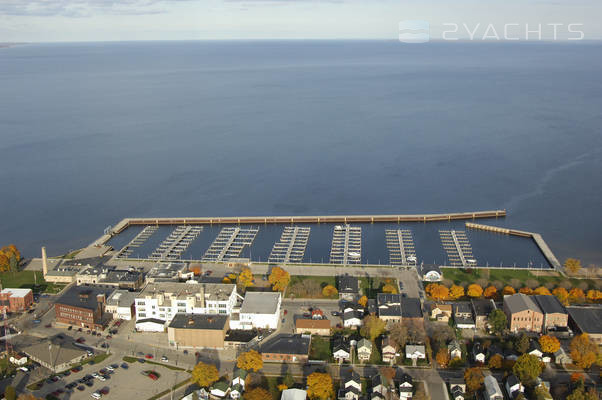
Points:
[411,308]
[348,284]
[303,323]
[84,296]
[260,303]
[16,292]
[520,302]
[550,304]
[287,344]
[387,299]
[483,307]
[213,291]
[54,354]
[121,298]
[588,319]
[199,321]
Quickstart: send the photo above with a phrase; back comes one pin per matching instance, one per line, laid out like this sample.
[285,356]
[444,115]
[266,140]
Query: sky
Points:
[118,20]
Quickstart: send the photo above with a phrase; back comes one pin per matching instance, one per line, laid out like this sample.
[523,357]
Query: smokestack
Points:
[44,261]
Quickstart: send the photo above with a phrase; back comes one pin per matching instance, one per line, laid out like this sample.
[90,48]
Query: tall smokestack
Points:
[44,261]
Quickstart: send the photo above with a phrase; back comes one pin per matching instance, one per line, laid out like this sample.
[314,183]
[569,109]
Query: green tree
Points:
[521,343]
[498,321]
[572,265]
[527,368]
[204,374]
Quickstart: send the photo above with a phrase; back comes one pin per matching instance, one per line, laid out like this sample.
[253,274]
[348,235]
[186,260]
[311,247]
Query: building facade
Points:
[83,306]
[15,300]
[198,330]
[522,313]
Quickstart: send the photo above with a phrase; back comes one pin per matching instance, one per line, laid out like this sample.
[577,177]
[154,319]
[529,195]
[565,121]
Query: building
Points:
[587,320]
[562,358]
[554,314]
[513,386]
[389,352]
[150,325]
[198,330]
[481,309]
[121,304]
[522,313]
[478,355]
[286,348]
[415,351]
[341,350]
[352,318]
[18,359]
[349,287]
[127,279]
[351,385]
[455,349]
[260,310]
[441,312]
[319,327]
[169,272]
[293,394]
[389,307]
[411,311]
[220,389]
[457,389]
[492,389]
[430,273]
[15,300]
[364,349]
[463,316]
[61,274]
[83,306]
[166,299]
[54,355]
[406,387]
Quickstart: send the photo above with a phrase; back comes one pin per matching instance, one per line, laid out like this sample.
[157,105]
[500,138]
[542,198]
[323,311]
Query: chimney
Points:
[44,261]
[190,321]
[202,295]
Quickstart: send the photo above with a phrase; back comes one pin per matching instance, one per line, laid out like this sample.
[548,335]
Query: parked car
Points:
[96,395]
[164,359]
[124,366]
[149,356]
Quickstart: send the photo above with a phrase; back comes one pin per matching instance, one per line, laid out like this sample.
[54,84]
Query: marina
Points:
[401,247]
[176,243]
[291,246]
[458,248]
[230,243]
[137,241]
[346,245]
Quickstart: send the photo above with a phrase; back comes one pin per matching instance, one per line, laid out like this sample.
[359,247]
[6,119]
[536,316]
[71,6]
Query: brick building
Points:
[198,330]
[286,348]
[15,300]
[523,313]
[554,313]
[83,306]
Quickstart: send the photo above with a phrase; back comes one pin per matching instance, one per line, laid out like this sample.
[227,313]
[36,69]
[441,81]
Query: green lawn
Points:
[371,286]
[320,348]
[29,280]
[459,275]
[320,280]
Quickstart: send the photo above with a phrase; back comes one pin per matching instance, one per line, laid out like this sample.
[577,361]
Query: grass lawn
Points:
[319,348]
[459,275]
[371,286]
[28,280]
[320,280]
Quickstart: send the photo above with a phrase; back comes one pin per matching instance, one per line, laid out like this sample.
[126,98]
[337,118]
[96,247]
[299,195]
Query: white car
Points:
[164,359]
[95,375]
[24,369]
[110,368]
[95,395]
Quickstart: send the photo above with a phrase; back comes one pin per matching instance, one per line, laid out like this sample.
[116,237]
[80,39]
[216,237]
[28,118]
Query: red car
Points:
[153,376]
[149,356]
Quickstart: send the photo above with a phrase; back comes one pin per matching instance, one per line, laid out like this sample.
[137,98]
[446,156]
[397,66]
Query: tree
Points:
[542,291]
[577,376]
[28,396]
[363,301]
[307,288]
[576,295]
[473,377]
[257,393]
[594,295]
[490,292]
[10,393]
[508,290]
[572,265]
[562,295]
[442,357]
[495,361]
[579,393]
[204,374]
[319,386]
[437,291]
[372,327]
[441,334]
[526,290]
[329,291]
[474,290]
[282,387]
[250,361]
[279,279]
[497,321]
[521,343]
[388,373]
[583,351]
[549,344]
[245,278]
[288,379]
[456,291]
[527,368]
[389,288]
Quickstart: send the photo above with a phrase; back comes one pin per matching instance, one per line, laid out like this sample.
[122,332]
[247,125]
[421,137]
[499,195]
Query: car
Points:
[95,375]
[149,356]
[208,272]
[36,321]
[24,369]
[285,312]
[102,378]
[60,391]
[48,326]
[98,334]
[335,313]
[185,351]
[89,383]
[104,345]
[283,319]
[104,391]
[30,311]
[67,373]
[260,337]
[164,359]
[88,331]
[115,366]
[141,360]
[124,366]
[80,340]
[80,388]
[109,337]
[96,395]
[55,393]
[91,362]
[79,329]
[60,336]
[70,328]
[153,376]
[55,378]
[140,354]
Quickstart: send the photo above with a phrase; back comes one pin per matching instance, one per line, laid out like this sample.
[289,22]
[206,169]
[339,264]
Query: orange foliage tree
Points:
[562,295]
[475,290]
[490,292]
[319,386]
[508,290]
[542,290]
[279,279]
[363,301]
[437,291]
[526,290]
[576,295]
[549,344]
[456,291]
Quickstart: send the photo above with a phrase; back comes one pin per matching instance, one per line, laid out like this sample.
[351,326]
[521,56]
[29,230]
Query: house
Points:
[84,307]
[220,389]
[457,388]
[293,394]
[406,387]
[380,387]
[169,272]
[555,314]
[198,330]
[121,304]
[236,391]
[352,318]
[562,358]
[523,313]
[341,351]
[18,359]
[535,349]
[105,276]
[351,385]
[259,310]
[493,350]
[55,355]
[349,287]
[510,354]
[239,377]
[319,327]
[587,320]
[492,389]
[415,351]
[364,349]
[389,307]
[371,307]
[15,300]
[463,316]
[478,355]
[441,312]
[513,386]
[430,273]
[411,311]
[481,309]
[389,352]
[455,349]
[286,348]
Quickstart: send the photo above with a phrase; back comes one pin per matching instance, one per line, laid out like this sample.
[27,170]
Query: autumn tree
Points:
[577,376]
[579,393]
[572,265]
[583,351]
[204,374]
[542,291]
[257,393]
[490,292]
[474,290]
[527,368]
[363,301]
[9,258]
[319,386]
[279,279]
[473,377]
[437,291]
[307,288]
[526,290]
[594,295]
[389,288]
[497,321]
[402,333]
[442,357]
[250,361]
[521,343]
[508,290]
[245,278]
[372,327]
[329,291]
[562,295]
[495,362]
[28,396]
[549,344]
[456,292]
[576,295]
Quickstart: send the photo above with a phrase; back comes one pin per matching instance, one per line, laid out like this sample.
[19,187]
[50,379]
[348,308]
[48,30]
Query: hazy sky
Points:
[108,20]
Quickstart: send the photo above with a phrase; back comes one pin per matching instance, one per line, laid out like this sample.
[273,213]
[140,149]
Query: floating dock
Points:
[401,247]
[291,246]
[230,243]
[346,245]
[176,243]
[458,248]
[137,241]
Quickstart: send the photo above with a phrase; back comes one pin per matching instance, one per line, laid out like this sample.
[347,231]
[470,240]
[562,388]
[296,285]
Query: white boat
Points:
[354,254]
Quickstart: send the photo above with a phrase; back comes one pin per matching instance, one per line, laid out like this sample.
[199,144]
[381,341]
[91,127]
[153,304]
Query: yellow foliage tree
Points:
[204,374]
[508,290]
[549,344]
[329,291]
[442,357]
[279,279]
[583,351]
[245,278]
[282,387]
[594,295]
[257,393]
[319,386]
[250,361]
[437,291]
[495,362]
[363,301]
[389,288]
[562,295]
[490,292]
[572,265]
[526,290]
[474,290]
[372,327]
[456,291]
[576,295]
[542,291]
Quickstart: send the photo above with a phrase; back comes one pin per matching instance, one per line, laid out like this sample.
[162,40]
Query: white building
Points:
[258,310]
[492,389]
[121,304]
[165,299]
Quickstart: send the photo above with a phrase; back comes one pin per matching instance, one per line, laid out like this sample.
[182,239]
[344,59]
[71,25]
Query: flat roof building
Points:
[259,310]
[15,300]
[198,330]
[83,306]
[286,348]
[587,320]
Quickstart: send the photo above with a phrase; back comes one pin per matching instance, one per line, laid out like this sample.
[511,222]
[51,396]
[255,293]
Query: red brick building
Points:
[15,300]
[83,306]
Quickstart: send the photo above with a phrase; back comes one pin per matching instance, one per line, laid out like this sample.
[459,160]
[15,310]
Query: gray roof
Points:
[587,319]
[462,307]
[390,311]
[287,344]
[57,355]
[153,320]
[411,308]
[199,321]
[84,296]
[483,307]
[348,284]
[520,302]
[121,298]
[260,303]
[550,304]
[388,299]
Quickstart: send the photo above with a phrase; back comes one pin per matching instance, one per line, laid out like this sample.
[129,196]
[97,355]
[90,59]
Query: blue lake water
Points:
[92,133]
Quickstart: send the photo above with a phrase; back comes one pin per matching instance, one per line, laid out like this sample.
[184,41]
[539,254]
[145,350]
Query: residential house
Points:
[478,355]
[455,349]
[411,311]
[513,386]
[430,273]
[319,327]
[457,388]
[341,350]
[493,350]
[364,349]
[293,394]
[371,307]
[389,307]
[510,354]
[18,359]
[380,387]
[352,318]
[463,316]
[481,309]
[441,312]
[523,313]
[286,348]
[406,387]
[555,314]
[389,352]
[220,389]
[415,352]
[239,377]
[492,389]
[351,385]
[562,358]
[236,391]
[535,349]
[349,288]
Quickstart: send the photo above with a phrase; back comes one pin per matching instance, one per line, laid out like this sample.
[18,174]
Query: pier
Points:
[291,246]
[230,243]
[176,243]
[401,247]
[457,247]
[137,241]
[346,245]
